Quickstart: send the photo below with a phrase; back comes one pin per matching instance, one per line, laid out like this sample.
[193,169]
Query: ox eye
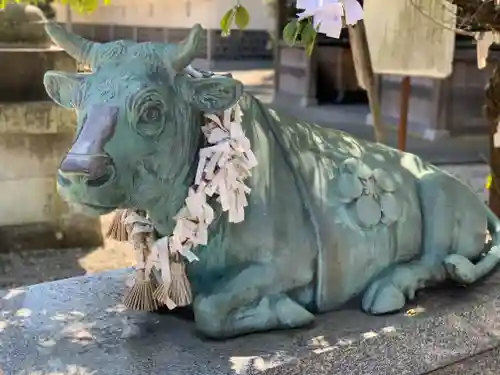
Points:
[151,114]
[151,120]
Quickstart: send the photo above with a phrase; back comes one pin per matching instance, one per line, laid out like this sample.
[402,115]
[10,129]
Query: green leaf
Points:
[242,17]
[308,33]
[82,6]
[308,37]
[489,181]
[290,32]
[227,21]
[310,47]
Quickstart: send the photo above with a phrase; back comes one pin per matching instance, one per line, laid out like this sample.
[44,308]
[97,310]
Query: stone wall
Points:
[240,45]
[22,70]
[34,135]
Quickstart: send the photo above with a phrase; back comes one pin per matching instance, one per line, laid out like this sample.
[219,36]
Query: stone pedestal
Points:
[79,326]
[34,135]
[296,76]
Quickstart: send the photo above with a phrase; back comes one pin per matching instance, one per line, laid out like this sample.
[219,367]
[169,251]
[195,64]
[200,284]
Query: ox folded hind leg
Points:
[254,300]
[390,290]
[463,271]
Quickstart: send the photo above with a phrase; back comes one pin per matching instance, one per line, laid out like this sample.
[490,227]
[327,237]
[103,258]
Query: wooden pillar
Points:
[366,77]
[492,112]
[403,112]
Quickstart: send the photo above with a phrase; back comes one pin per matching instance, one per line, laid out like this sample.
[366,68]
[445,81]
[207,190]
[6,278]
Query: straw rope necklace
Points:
[224,164]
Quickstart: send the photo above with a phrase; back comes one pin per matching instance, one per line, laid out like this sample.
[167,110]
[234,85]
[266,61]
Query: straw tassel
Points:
[180,288]
[178,292]
[117,230]
[140,296]
[174,289]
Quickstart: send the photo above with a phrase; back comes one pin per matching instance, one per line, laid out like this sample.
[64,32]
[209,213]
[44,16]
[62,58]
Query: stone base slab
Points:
[79,326]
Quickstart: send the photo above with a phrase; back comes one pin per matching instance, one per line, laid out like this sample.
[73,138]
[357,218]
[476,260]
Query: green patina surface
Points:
[330,218]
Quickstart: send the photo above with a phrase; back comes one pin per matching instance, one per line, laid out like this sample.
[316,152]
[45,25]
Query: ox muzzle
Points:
[86,161]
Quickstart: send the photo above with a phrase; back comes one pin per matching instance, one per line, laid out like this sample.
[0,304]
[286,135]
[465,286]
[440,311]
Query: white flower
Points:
[327,14]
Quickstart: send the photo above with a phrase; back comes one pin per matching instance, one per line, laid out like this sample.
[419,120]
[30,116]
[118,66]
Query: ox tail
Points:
[463,271]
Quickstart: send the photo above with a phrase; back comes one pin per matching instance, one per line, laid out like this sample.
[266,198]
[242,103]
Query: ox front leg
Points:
[253,300]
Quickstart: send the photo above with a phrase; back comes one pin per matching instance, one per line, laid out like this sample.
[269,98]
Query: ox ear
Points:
[211,95]
[62,87]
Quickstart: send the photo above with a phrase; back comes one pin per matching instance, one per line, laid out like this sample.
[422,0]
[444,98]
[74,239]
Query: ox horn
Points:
[188,49]
[80,49]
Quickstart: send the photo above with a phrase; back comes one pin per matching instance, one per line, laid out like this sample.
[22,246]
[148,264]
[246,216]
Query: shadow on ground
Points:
[30,267]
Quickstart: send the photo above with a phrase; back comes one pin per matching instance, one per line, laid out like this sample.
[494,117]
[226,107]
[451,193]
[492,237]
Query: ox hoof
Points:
[382,298]
[459,269]
[209,318]
[291,314]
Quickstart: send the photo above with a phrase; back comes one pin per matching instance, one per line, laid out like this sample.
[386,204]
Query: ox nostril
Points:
[102,179]
[93,170]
